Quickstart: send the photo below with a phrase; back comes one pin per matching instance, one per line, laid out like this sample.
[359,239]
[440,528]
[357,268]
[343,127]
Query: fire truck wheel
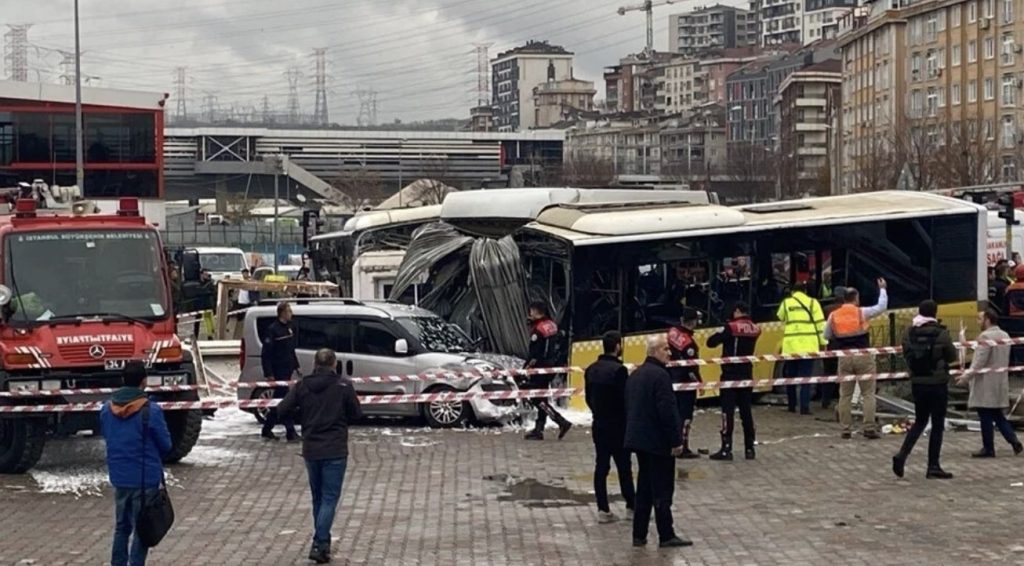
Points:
[21,444]
[184,427]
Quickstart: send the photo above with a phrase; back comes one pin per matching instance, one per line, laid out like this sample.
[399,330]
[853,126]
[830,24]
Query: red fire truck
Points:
[81,295]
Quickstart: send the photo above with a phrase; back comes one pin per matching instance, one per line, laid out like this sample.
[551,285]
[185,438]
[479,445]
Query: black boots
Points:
[898,463]
[937,473]
[723,455]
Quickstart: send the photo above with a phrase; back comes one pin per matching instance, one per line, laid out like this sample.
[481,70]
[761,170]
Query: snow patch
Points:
[79,481]
[227,423]
[417,442]
[202,455]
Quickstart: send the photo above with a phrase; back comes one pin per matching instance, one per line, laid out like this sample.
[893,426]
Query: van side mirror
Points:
[401,346]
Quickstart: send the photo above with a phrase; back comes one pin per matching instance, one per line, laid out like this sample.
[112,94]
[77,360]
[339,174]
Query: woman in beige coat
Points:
[990,392]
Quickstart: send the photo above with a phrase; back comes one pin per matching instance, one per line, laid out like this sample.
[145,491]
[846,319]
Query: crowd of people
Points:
[634,414]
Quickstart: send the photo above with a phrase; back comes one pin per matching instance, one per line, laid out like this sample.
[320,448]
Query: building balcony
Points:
[811,150]
[811,127]
[810,102]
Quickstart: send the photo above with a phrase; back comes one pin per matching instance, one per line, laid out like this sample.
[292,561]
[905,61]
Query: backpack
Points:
[920,354]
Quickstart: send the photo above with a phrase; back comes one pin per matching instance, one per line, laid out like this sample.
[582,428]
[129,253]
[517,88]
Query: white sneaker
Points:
[605,517]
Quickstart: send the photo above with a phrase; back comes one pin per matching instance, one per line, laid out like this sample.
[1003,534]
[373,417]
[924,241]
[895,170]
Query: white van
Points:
[223,262]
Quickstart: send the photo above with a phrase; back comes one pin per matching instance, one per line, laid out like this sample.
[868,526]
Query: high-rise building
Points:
[821,18]
[808,100]
[516,72]
[715,27]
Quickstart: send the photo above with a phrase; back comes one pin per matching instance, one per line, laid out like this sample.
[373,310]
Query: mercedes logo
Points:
[97,351]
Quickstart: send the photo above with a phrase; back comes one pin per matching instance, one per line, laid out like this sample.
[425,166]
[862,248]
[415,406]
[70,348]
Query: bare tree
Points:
[435,181]
[878,165]
[967,158]
[755,168]
[361,187]
[584,170]
[238,208]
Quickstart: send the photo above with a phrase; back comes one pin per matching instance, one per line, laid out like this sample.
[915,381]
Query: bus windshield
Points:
[85,272]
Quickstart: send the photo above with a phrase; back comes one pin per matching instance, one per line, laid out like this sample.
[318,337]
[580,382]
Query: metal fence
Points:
[249,237]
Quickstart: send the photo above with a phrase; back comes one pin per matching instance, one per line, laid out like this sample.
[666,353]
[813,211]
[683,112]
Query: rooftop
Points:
[114,98]
[534,47]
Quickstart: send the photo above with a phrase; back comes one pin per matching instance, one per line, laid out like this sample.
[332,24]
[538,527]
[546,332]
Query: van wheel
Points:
[21,444]
[262,412]
[184,427]
[445,414]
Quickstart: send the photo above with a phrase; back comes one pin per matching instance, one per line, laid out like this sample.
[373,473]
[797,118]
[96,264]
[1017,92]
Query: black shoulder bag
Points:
[157,514]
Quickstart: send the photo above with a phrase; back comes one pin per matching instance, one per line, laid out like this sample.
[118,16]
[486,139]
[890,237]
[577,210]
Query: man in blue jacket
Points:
[132,455]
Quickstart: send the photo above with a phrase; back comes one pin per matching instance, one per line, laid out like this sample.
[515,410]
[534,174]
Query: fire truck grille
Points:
[79,353]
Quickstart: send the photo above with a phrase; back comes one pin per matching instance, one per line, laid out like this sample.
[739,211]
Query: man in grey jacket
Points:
[990,392]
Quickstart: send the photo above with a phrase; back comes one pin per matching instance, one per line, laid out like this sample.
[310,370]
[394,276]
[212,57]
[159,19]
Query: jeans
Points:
[654,489]
[272,417]
[990,420]
[325,480]
[609,446]
[127,506]
[799,368]
[929,404]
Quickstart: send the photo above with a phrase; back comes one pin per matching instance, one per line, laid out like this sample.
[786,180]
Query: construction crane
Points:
[647,6]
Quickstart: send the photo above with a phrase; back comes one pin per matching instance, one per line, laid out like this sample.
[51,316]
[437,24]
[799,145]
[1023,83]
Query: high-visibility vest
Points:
[848,321]
[804,324]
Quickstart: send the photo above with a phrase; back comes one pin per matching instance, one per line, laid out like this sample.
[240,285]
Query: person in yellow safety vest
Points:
[804,334]
[848,328]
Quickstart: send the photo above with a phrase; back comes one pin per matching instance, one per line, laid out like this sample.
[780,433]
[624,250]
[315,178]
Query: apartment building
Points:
[710,28]
[553,101]
[946,78]
[807,101]
[821,18]
[515,72]
[680,85]
[781,21]
[693,143]
[631,86]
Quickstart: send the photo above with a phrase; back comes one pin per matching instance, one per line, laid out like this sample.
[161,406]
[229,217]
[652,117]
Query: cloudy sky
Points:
[417,54]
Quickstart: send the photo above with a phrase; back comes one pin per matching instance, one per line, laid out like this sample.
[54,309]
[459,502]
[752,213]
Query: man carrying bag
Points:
[137,438]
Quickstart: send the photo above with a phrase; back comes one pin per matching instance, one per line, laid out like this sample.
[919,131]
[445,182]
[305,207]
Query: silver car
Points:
[377,338]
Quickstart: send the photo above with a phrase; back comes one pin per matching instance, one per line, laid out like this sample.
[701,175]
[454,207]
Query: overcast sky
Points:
[417,54]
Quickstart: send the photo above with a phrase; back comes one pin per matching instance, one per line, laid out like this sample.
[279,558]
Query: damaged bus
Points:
[631,267]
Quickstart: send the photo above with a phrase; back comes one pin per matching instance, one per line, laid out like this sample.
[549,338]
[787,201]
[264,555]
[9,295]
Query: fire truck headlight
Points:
[169,353]
[24,386]
[178,379]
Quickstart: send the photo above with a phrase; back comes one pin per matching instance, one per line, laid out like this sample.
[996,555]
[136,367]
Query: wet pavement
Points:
[414,496]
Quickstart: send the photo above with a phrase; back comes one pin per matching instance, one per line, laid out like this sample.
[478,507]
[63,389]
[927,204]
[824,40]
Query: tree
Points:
[584,170]
[238,208]
[436,182]
[968,158]
[361,187]
[755,168]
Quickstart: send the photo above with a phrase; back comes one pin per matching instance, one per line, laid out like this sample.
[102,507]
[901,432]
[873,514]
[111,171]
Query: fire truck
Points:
[81,294]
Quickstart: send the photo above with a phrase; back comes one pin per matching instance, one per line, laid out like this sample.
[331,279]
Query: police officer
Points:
[543,353]
[280,364]
[804,334]
[737,338]
[683,346]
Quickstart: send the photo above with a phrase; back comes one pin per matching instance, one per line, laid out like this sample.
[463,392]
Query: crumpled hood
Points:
[127,401]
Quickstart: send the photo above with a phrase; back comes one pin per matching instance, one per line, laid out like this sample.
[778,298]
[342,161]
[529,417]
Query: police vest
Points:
[1015,299]
[850,328]
[804,324]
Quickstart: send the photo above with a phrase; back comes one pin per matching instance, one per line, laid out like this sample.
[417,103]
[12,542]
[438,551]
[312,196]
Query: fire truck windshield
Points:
[64,274]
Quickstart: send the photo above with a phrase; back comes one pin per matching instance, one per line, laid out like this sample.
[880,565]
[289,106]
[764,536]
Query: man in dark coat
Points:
[327,403]
[280,364]
[654,432]
[605,391]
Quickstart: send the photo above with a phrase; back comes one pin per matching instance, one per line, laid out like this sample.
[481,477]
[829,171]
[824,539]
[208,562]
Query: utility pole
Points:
[483,89]
[16,50]
[320,109]
[79,140]
[293,74]
[179,93]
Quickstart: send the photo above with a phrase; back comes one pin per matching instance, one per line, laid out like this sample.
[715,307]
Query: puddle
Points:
[532,493]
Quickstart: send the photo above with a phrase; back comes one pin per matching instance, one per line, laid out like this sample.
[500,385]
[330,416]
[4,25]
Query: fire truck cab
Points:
[80,295]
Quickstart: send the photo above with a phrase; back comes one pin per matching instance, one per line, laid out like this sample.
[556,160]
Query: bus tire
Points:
[21,444]
[184,427]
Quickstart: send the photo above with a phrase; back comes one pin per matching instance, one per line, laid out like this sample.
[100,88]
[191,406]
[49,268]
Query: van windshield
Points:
[227,261]
[436,335]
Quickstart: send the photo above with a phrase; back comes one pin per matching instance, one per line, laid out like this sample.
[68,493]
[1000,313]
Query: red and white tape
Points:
[739,384]
[96,391]
[96,406]
[853,352]
[427,376]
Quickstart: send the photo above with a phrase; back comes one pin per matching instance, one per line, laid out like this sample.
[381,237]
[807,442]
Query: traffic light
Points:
[1006,211]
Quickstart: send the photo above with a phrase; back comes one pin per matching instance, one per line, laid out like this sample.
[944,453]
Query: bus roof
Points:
[610,223]
[380,218]
[494,212]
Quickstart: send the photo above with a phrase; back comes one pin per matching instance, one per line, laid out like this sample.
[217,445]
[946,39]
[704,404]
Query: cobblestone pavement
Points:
[420,497]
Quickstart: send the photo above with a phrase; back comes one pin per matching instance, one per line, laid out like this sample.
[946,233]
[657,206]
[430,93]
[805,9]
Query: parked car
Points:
[375,338]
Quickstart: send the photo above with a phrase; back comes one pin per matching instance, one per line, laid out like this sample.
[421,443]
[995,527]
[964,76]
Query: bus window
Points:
[730,287]
[689,287]
[598,303]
